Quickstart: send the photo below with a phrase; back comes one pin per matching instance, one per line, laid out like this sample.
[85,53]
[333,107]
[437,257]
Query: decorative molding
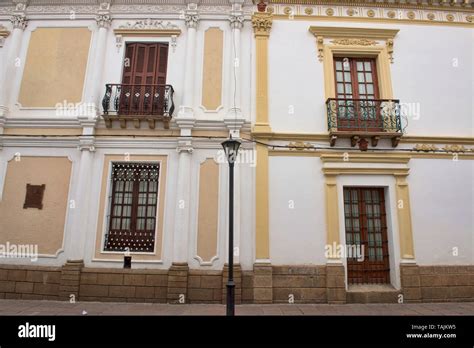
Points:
[4,33]
[451,16]
[377,157]
[357,157]
[149,24]
[299,145]
[20,5]
[103,20]
[148,28]
[437,140]
[191,16]
[104,7]
[365,171]
[425,147]
[413,139]
[86,143]
[262,23]
[353,37]
[19,21]
[236,21]
[449,148]
[185,146]
[463,5]
[457,148]
[356,42]
[357,33]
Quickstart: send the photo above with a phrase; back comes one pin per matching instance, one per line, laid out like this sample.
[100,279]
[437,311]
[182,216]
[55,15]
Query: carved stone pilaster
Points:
[236,21]
[185,146]
[19,21]
[191,20]
[191,16]
[103,20]
[86,143]
[262,23]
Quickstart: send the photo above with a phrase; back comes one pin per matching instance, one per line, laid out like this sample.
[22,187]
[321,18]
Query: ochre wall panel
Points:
[55,67]
[208,210]
[212,69]
[43,227]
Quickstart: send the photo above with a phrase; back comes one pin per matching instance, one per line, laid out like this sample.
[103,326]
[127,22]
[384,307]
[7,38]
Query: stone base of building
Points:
[264,284]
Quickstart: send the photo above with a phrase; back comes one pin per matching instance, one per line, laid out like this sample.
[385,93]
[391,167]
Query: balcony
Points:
[363,118]
[138,103]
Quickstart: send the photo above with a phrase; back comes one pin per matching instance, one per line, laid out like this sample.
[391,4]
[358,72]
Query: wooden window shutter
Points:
[162,64]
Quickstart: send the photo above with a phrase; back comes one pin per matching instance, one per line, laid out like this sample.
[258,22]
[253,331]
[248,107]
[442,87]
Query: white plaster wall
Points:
[297,236]
[442,203]
[433,67]
[296,79]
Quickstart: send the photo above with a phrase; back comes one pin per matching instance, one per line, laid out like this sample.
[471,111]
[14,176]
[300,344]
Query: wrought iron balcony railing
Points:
[138,102]
[364,117]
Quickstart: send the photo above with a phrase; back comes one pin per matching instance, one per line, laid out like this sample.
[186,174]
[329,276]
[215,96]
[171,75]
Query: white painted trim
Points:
[158,262]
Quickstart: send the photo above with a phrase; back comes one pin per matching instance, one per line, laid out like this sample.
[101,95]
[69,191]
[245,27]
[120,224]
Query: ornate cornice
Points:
[262,23]
[19,21]
[365,11]
[448,5]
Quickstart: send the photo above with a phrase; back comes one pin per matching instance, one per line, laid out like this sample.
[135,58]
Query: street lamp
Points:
[231,148]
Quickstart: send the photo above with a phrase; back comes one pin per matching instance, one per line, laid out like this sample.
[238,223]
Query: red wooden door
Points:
[366,226]
[143,79]
[356,89]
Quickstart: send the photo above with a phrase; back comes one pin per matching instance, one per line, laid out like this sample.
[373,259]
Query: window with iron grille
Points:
[357,94]
[133,207]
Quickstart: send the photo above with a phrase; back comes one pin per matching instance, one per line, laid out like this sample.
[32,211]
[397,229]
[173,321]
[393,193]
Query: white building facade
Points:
[356,124]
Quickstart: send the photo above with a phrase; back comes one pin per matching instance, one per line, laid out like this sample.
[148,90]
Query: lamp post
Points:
[231,148]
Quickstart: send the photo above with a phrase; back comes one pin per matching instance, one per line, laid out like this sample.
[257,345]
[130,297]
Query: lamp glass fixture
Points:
[231,149]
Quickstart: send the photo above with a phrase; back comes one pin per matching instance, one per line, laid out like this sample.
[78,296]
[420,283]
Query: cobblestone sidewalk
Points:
[27,307]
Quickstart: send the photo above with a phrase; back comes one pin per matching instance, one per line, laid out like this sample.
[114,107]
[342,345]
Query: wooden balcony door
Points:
[356,82]
[366,225]
[145,68]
